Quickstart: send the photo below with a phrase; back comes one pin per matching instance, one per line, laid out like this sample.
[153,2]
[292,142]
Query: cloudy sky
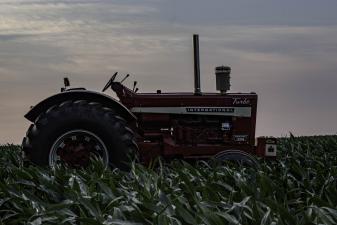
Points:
[286,51]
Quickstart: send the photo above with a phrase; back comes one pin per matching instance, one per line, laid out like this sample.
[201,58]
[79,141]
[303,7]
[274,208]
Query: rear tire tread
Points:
[85,110]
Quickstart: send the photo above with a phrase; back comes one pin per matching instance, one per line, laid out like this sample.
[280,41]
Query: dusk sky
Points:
[285,51]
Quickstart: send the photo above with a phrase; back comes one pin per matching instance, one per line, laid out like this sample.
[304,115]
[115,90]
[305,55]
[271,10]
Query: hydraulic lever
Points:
[124,78]
[134,85]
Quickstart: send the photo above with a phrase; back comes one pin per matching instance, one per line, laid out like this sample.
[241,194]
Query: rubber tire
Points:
[103,122]
[236,156]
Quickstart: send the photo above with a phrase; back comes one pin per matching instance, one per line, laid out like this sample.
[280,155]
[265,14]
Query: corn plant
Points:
[300,187]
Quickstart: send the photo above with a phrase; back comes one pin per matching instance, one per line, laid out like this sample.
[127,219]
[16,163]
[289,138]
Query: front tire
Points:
[237,156]
[74,131]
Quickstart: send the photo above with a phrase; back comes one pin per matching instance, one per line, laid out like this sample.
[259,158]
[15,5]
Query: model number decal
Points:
[241,101]
[216,110]
[220,111]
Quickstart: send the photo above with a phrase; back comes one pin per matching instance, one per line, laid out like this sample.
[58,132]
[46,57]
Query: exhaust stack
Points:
[197,89]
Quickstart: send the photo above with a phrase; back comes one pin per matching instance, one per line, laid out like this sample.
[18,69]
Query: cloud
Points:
[53,17]
[291,65]
[9,37]
[253,12]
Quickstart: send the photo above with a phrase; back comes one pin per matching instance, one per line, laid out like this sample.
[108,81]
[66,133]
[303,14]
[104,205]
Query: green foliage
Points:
[299,188]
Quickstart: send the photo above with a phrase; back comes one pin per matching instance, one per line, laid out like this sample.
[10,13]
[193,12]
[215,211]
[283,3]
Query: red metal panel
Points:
[175,139]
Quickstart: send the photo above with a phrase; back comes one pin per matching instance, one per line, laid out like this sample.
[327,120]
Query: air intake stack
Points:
[222,74]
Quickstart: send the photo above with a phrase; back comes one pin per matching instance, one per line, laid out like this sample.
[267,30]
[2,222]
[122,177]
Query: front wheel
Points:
[236,156]
[75,131]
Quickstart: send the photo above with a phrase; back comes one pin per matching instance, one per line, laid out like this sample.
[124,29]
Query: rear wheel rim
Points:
[75,148]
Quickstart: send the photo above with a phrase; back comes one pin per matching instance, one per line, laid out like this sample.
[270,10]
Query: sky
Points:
[285,51]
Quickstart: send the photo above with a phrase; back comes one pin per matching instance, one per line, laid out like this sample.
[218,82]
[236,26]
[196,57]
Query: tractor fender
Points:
[74,95]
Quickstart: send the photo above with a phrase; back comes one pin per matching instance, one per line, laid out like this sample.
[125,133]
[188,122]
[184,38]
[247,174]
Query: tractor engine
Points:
[193,124]
[194,130]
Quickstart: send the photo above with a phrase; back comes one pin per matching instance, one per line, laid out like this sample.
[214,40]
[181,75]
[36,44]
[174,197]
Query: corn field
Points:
[298,188]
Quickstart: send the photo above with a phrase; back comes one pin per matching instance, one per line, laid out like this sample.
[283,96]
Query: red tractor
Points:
[76,124]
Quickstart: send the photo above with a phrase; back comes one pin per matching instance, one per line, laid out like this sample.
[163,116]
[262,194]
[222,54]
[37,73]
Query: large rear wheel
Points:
[75,131]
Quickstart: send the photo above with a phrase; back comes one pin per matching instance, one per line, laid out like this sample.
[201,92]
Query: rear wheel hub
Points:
[75,148]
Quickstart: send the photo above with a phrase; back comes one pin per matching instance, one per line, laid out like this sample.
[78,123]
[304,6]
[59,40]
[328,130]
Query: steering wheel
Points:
[109,82]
